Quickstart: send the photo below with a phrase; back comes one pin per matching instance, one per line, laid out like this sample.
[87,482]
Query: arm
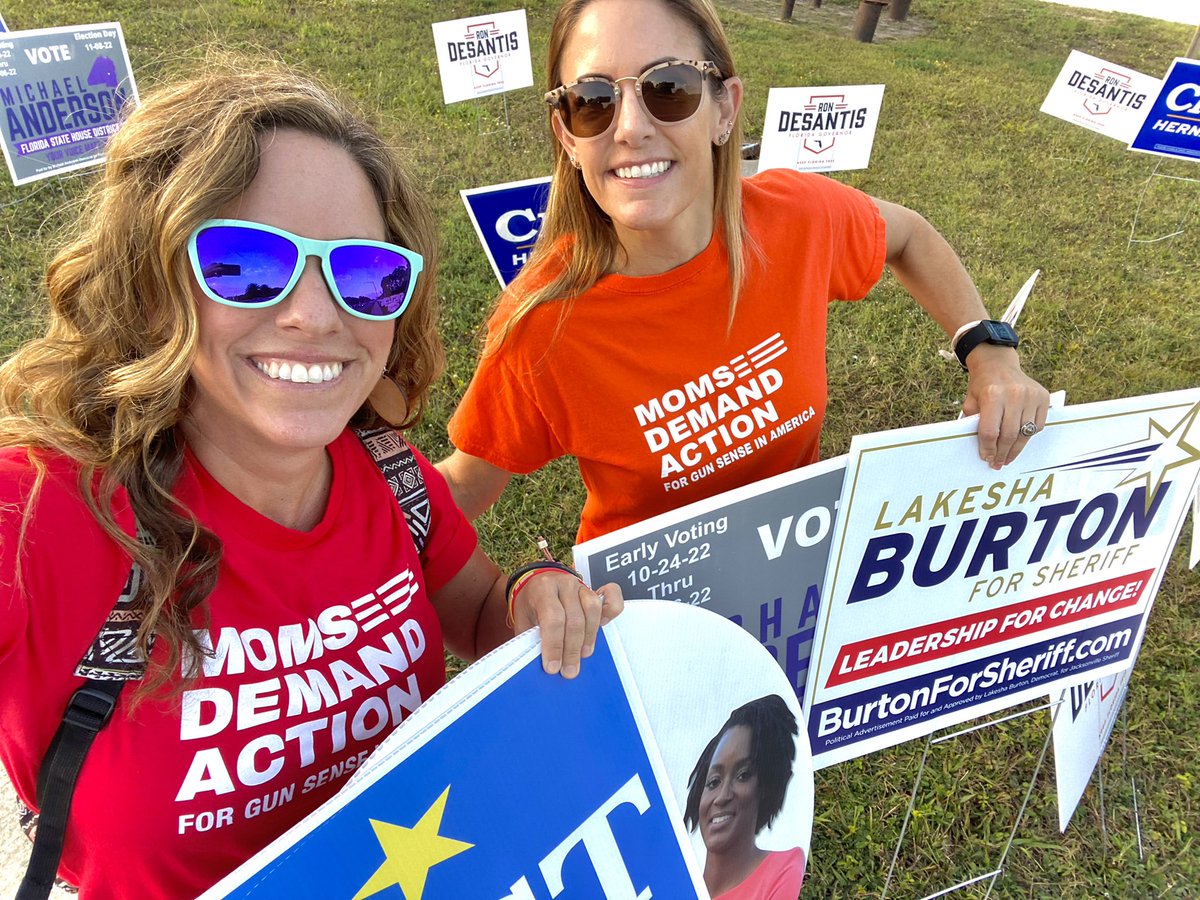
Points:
[475,484]
[997,389]
[473,611]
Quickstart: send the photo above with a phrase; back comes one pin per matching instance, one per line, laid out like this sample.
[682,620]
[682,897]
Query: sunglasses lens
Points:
[373,281]
[588,108]
[673,93]
[244,266]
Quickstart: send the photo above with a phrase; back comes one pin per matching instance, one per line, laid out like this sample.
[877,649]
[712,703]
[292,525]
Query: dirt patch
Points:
[832,17]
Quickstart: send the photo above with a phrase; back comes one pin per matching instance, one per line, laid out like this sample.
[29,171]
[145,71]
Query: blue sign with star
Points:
[494,806]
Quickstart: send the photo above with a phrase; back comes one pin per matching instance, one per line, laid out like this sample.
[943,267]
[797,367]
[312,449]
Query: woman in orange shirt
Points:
[669,331]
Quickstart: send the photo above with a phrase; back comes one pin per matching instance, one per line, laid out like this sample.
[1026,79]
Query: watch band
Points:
[988,331]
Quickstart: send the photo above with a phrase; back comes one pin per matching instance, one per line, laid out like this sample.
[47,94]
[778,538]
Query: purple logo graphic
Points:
[104,71]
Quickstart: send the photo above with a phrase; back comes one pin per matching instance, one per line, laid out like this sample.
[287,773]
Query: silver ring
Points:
[1029,429]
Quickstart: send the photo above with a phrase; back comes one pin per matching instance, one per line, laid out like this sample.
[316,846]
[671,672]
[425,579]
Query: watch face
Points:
[1000,333]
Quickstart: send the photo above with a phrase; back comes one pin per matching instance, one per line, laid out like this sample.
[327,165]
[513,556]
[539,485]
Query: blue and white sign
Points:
[756,555]
[510,783]
[954,591]
[1172,126]
[62,91]
[507,217]
[1100,96]
[3,27]
[482,55]
[820,129]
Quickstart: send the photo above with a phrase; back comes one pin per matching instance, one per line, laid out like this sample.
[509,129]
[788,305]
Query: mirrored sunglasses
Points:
[669,92]
[246,264]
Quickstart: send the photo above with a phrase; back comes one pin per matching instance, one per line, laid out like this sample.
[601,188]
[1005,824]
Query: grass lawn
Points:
[961,140]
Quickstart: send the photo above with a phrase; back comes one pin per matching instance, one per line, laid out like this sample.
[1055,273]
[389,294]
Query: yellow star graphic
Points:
[411,852]
[1174,451]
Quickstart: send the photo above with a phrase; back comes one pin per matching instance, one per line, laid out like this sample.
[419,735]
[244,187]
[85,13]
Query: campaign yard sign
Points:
[1172,126]
[820,129]
[507,218]
[62,91]
[482,55]
[470,797]
[755,555]
[954,591]
[1083,724]
[1100,96]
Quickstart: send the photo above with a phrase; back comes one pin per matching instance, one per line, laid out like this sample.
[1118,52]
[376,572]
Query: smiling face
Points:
[654,180]
[288,377]
[729,801]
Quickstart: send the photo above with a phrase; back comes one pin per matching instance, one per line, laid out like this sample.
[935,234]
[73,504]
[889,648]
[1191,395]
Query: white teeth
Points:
[645,170]
[299,373]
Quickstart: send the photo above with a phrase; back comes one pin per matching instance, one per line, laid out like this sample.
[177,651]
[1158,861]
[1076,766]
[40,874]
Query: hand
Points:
[1005,398]
[569,613]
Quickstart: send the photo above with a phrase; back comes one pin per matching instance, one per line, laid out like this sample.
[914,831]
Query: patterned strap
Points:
[399,466]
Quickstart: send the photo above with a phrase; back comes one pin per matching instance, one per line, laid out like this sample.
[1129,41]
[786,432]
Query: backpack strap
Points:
[111,662]
[398,463]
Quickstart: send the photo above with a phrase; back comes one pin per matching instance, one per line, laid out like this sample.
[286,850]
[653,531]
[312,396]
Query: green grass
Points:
[961,140]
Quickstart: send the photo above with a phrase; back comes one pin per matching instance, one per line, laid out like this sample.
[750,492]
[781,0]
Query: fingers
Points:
[569,614]
[1008,419]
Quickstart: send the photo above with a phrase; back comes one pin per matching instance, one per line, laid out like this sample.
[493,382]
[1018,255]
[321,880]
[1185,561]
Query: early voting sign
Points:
[755,555]
[507,218]
[510,783]
[954,591]
[1100,96]
[62,91]
[1172,126]
[821,129]
[483,55]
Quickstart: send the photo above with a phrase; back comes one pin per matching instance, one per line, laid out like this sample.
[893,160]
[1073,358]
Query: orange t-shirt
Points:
[644,385]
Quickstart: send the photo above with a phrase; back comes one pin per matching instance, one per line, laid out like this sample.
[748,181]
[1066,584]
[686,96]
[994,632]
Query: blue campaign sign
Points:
[1172,126]
[507,217]
[496,807]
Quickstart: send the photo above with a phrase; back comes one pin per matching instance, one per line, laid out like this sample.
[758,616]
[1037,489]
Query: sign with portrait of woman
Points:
[674,766]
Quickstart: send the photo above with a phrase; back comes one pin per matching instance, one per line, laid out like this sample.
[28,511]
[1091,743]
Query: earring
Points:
[724,138]
[575,162]
[389,400]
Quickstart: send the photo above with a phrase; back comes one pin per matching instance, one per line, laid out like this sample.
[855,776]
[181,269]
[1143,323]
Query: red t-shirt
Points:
[324,641]
[778,877]
[645,383]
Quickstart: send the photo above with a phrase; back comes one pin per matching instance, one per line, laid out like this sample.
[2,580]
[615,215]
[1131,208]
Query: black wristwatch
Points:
[989,331]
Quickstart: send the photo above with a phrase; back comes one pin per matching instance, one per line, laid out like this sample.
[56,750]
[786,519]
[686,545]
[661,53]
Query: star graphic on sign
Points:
[1174,451]
[411,852]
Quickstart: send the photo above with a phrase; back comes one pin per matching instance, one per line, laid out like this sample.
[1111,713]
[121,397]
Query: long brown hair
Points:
[109,382]
[571,211]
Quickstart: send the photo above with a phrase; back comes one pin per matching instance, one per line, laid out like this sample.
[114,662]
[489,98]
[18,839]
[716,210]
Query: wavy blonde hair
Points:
[109,382]
[571,211]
